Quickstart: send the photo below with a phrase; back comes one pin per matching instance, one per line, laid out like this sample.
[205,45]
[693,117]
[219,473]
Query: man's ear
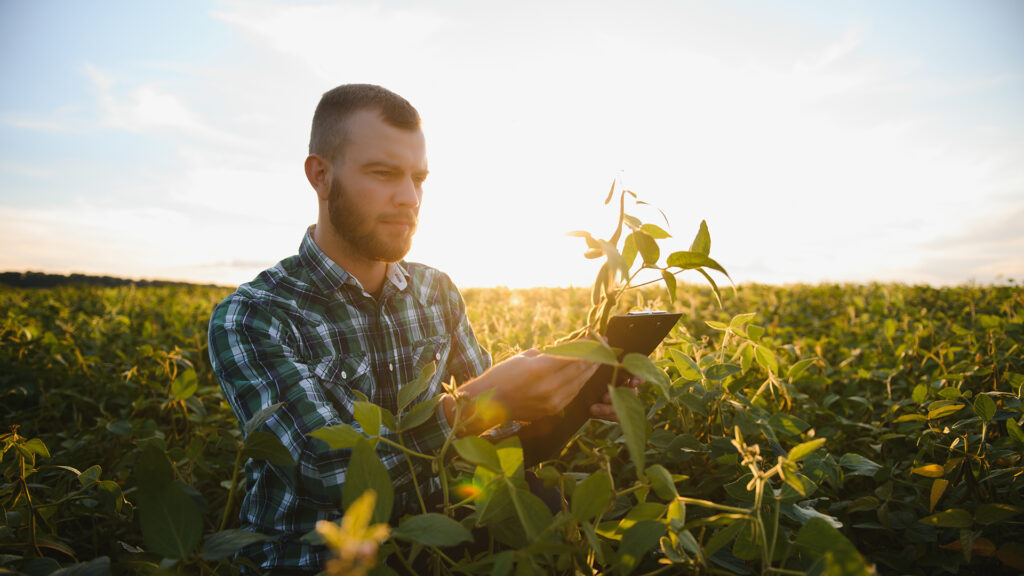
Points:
[318,172]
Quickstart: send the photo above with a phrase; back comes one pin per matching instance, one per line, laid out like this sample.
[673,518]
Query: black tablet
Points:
[639,332]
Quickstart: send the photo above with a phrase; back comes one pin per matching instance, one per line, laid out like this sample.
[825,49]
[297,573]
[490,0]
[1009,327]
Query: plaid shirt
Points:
[306,333]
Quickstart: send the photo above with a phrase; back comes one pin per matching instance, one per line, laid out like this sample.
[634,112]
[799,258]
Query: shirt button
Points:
[391,367]
[343,375]
[437,356]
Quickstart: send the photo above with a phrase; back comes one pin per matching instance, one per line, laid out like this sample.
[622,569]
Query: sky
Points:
[853,141]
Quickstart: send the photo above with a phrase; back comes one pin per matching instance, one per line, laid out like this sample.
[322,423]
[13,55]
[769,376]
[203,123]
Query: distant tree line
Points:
[44,280]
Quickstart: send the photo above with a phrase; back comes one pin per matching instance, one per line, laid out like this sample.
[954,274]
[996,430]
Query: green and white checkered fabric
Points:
[306,333]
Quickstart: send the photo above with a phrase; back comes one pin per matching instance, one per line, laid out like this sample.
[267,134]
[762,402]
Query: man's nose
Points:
[408,193]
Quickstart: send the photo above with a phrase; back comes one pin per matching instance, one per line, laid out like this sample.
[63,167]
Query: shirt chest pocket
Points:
[340,375]
[425,352]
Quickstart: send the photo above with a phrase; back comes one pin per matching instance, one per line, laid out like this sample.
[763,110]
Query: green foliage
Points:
[800,429]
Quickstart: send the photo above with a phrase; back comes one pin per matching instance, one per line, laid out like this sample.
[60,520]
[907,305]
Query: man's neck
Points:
[370,273]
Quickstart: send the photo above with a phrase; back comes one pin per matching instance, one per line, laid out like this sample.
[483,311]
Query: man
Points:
[347,315]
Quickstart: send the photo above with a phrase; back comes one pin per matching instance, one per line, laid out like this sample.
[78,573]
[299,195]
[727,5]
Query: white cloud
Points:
[348,40]
[150,108]
[810,157]
[63,119]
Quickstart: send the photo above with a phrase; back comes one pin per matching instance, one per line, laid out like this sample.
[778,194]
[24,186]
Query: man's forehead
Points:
[369,138]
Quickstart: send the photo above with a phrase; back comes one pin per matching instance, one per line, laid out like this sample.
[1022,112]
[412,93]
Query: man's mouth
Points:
[400,222]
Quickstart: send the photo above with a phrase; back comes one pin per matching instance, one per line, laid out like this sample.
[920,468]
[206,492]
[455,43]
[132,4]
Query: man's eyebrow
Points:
[380,164]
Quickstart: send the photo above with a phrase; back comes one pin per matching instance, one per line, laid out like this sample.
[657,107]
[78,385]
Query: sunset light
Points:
[858,142]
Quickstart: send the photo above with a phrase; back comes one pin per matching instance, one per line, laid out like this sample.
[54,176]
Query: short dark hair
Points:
[328,134]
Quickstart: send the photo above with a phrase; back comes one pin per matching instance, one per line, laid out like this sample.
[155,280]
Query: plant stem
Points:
[394,444]
[231,491]
[415,482]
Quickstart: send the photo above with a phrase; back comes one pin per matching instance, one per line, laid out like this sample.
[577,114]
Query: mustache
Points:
[407,218]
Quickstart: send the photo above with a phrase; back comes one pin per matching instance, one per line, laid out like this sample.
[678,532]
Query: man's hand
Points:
[526,387]
[604,409]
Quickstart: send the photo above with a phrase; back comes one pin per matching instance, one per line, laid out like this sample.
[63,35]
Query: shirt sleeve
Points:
[468,359]
[252,348]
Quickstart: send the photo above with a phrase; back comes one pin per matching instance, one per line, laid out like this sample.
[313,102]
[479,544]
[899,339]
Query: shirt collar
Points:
[329,277]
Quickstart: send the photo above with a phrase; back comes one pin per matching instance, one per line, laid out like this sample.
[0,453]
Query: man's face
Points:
[376,188]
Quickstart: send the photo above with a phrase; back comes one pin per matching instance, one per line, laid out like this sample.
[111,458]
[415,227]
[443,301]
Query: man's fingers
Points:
[604,412]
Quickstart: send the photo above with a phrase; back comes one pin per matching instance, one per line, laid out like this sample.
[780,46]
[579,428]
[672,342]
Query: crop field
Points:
[802,429]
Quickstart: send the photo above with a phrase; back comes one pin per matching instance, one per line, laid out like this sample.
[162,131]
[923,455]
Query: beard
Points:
[359,229]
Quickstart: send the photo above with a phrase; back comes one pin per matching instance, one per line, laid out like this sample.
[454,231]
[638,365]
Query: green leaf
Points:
[96,567]
[939,486]
[121,428]
[262,445]
[224,544]
[433,529]
[37,447]
[367,472]
[655,231]
[586,349]
[944,411]
[929,470]
[409,392]
[661,481]
[840,556]
[800,367]
[910,418]
[368,416]
[642,366]
[688,369]
[591,496]
[647,247]
[993,513]
[503,562]
[1014,431]
[952,518]
[920,393]
[802,514]
[260,417]
[723,537]
[171,521]
[670,284]
[714,287]
[615,260]
[800,484]
[497,506]
[801,451]
[532,511]
[740,320]
[766,358]
[702,241]
[738,488]
[419,414]
[637,540]
[788,425]
[90,475]
[153,471]
[629,253]
[859,465]
[510,454]
[478,451]
[692,261]
[634,423]
[721,371]
[338,437]
[984,407]
[185,385]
